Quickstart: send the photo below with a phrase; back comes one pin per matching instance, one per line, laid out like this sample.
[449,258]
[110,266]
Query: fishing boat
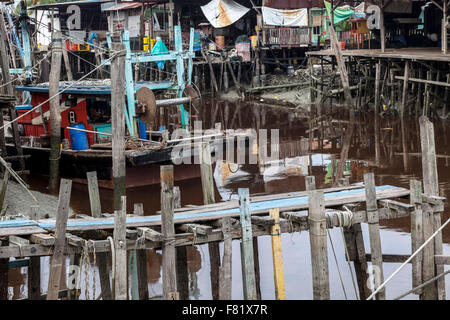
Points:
[86,123]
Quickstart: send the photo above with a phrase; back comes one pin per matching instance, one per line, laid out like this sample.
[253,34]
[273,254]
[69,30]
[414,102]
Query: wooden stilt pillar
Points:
[318,239]
[247,256]
[168,230]
[118,122]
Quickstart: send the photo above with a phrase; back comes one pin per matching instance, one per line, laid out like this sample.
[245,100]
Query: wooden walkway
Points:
[413,54]
[259,205]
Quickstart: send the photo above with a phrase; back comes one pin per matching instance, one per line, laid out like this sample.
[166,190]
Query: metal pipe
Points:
[172,102]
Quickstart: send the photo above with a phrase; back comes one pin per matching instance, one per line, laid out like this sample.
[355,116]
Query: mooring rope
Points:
[422,285]
[337,264]
[408,260]
[113,262]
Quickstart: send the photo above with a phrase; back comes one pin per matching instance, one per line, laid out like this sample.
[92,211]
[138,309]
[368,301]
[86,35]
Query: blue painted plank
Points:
[17,223]
[254,206]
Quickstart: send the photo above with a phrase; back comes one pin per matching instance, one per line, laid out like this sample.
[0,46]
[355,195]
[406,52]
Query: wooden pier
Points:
[246,219]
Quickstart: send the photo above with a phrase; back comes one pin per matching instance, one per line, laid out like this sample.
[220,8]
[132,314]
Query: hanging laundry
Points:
[280,17]
[222,13]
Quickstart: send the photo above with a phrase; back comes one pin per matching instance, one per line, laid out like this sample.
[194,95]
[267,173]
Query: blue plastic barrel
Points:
[142,130]
[78,139]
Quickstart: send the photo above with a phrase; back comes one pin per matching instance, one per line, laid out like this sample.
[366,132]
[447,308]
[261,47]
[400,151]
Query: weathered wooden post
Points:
[55,112]
[118,121]
[248,266]
[225,275]
[278,270]
[319,251]
[182,267]
[57,261]
[67,62]
[416,232]
[141,261]
[431,187]
[168,230]
[102,257]
[374,233]
[376,112]
[204,151]
[120,248]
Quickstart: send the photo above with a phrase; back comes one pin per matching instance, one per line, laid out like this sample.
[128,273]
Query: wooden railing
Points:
[287,36]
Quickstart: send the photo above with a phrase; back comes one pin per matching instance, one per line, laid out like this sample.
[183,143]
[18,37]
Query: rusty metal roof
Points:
[294,4]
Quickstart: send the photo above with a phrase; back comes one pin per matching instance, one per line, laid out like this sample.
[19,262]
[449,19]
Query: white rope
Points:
[113,262]
[18,178]
[63,90]
[422,285]
[337,264]
[409,259]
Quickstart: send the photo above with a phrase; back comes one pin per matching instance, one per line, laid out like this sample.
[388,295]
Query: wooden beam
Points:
[277,255]
[319,251]
[57,261]
[168,230]
[225,274]
[248,267]
[374,233]
[121,275]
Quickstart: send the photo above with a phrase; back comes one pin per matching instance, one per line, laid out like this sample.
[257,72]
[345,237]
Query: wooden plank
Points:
[225,275]
[34,278]
[416,232]
[94,195]
[319,251]
[120,249]
[55,115]
[257,271]
[20,231]
[356,249]
[278,270]
[405,89]
[431,187]
[182,273]
[118,121]
[57,261]
[374,234]
[247,262]
[441,259]
[168,230]
[196,215]
[141,260]
[430,291]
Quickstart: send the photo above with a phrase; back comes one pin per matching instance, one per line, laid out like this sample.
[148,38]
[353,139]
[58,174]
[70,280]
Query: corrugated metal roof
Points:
[123,6]
[66,4]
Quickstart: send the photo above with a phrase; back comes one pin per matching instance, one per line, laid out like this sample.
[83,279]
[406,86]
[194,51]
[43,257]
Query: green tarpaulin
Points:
[340,13]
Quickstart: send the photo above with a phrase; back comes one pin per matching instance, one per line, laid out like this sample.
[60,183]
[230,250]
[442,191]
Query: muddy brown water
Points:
[297,161]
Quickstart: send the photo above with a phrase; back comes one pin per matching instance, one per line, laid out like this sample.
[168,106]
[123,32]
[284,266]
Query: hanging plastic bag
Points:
[158,49]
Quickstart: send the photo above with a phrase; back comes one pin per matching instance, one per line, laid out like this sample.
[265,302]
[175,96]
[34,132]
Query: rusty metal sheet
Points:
[294,4]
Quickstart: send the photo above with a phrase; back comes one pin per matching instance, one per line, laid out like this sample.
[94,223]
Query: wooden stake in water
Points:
[141,260]
[416,232]
[58,259]
[319,251]
[168,230]
[55,113]
[120,246]
[225,275]
[278,270]
[374,233]
[431,187]
[118,121]
[248,266]
[102,257]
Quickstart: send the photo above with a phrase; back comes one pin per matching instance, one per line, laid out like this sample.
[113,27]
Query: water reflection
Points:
[326,142]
